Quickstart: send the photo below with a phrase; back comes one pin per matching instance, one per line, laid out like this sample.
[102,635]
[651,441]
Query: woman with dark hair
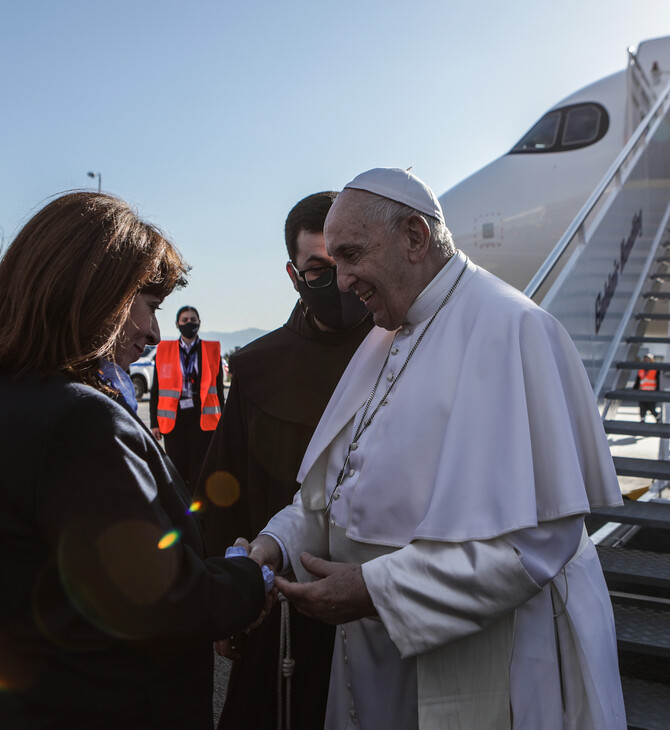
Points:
[108,605]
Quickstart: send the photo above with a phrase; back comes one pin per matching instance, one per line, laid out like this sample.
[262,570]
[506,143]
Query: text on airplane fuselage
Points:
[625,247]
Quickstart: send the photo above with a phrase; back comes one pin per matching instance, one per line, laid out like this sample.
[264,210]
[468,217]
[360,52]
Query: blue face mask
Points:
[337,310]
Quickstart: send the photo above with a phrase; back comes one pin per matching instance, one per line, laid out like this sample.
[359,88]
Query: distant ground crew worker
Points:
[647,380]
[187,395]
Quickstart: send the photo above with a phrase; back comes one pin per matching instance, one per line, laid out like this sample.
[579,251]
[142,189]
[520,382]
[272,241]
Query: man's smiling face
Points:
[371,260]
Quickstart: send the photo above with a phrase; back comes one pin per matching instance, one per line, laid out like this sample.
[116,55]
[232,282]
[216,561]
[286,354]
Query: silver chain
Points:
[363,423]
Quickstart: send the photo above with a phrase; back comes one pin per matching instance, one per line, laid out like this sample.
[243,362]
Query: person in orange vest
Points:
[187,395]
[647,380]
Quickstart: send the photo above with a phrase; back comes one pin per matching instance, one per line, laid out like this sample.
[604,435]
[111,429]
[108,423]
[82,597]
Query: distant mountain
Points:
[230,340]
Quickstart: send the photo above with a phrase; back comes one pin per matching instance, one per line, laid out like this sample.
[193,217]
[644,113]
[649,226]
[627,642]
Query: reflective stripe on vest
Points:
[168,393]
[647,379]
[170,379]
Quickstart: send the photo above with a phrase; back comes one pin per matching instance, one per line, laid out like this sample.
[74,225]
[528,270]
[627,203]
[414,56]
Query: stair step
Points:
[637,365]
[663,259]
[643,629]
[652,317]
[647,704]
[639,567]
[633,394]
[643,468]
[634,428]
[656,295]
[642,340]
[646,514]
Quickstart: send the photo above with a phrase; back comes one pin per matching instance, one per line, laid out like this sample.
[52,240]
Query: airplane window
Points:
[581,125]
[568,128]
[542,135]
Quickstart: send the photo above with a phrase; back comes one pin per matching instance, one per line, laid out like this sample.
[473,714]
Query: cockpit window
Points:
[568,128]
[581,125]
[542,136]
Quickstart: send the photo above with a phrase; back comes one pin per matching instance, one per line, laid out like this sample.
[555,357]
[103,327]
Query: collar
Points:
[188,348]
[120,380]
[431,297]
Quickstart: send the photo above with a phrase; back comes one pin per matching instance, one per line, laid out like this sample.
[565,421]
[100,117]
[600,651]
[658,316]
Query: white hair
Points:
[391,214]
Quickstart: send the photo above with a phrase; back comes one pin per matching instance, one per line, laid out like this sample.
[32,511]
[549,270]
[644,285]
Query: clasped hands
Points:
[339,594]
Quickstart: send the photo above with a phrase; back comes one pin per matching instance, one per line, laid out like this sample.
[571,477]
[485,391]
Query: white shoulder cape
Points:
[492,427]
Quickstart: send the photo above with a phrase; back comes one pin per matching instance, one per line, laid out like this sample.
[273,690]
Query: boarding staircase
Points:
[608,281]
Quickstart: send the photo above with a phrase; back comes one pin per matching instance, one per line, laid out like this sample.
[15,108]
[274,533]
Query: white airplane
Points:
[509,215]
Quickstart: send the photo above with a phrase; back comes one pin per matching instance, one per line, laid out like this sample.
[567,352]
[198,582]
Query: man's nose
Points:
[344,280]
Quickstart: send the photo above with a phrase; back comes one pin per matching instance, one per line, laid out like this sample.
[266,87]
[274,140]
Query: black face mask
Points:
[189,330]
[336,309]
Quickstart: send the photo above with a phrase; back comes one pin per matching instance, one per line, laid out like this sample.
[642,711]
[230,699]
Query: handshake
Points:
[336,596]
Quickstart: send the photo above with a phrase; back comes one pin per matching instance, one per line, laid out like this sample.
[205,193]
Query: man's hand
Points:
[338,597]
[264,550]
[157,433]
[228,648]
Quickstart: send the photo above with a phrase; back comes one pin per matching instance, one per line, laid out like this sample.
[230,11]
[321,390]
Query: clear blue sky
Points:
[214,117]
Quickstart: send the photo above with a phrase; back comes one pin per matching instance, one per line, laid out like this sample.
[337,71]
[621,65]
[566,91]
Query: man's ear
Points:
[418,235]
[292,275]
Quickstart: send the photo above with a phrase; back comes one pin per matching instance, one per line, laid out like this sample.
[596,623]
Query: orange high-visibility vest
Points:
[170,380]
[647,379]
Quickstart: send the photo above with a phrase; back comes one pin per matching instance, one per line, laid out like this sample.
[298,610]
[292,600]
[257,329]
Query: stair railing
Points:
[591,301]
[641,93]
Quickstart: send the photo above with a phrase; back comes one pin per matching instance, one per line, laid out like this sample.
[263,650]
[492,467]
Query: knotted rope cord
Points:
[363,424]
[286,665]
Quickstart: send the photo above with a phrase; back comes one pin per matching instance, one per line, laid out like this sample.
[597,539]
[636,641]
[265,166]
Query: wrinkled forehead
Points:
[347,218]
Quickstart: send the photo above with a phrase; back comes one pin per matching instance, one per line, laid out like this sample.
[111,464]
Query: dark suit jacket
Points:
[108,606]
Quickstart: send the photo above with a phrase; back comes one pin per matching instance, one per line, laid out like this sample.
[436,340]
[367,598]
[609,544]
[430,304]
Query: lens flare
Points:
[195,506]
[169,539]
[222,488]
[111,577]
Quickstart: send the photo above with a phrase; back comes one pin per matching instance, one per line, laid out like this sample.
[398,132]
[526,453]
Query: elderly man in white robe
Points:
[440,520]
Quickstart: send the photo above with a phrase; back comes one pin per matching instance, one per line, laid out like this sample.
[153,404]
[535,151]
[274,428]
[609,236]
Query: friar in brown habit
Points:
[281,383]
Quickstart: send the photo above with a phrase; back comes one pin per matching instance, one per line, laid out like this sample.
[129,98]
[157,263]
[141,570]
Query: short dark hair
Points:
[307,215]
[187,308]
[68,281]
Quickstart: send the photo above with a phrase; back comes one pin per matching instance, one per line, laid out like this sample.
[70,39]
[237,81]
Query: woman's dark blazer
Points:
[108,606]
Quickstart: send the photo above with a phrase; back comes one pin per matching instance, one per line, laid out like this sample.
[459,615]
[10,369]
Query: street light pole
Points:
[99,176]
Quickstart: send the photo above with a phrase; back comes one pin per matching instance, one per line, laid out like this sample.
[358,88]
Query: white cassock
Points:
[464,501]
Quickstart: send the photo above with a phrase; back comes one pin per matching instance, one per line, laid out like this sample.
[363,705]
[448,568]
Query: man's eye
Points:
[316,273]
